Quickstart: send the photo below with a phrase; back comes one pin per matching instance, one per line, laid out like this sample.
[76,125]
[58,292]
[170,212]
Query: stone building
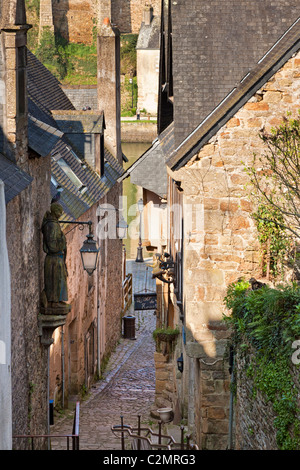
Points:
[147,49]
[23,404]
[218,90]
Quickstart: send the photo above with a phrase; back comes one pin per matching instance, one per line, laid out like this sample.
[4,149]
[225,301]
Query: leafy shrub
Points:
[267,321]
[52,52]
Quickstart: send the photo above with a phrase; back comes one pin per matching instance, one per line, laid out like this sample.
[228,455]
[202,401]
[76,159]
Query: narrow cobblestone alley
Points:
[128,384]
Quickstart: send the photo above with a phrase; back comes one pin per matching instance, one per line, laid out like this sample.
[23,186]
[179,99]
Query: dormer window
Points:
[81,162]
[56,184]
[71,175]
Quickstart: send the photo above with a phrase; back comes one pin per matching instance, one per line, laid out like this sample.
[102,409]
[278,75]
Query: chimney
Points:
[108,85]
[148,15]
[14,40]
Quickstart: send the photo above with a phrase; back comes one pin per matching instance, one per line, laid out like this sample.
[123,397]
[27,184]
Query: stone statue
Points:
[55,293]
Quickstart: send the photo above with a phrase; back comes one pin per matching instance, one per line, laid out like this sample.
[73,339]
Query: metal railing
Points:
[144,438]
[70,438]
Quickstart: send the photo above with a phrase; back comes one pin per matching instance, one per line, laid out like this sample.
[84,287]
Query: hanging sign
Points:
[145,301]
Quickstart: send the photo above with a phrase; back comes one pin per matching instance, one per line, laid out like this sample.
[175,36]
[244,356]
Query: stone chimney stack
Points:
[148,15]
[108,84]
[104,10]
[14,39]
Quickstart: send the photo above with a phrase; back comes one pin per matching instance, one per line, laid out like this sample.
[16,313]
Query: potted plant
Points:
[166,334]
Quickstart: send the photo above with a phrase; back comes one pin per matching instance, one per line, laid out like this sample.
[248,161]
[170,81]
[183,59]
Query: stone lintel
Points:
[196,350]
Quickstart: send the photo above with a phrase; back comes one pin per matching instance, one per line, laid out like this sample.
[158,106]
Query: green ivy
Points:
[53,54]
[267,321]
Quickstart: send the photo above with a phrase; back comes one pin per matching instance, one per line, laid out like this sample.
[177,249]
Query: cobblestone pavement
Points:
[128,384]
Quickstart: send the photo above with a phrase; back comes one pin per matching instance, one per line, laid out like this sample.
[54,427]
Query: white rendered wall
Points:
[5,334]
[147,79]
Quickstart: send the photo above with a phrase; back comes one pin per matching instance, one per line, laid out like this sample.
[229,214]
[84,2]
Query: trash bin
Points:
[129,327]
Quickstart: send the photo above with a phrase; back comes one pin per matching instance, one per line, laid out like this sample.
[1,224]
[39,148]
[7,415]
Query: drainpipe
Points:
[231,371]
[62,369]
[98,319]
[48,396]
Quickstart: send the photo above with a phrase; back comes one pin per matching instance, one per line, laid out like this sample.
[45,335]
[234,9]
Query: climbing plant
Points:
[276,243]
[274,186]
[264,323]
[275,173]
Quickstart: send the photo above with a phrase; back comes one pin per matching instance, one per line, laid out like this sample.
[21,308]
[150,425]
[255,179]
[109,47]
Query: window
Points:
[71,175]
[82,162]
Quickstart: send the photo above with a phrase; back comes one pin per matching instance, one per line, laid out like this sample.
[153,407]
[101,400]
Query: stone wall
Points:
[129,15]
[75,19]
[46,16]
[138,131]
[91,314]
[111,264]
[24,216]
[29,358]
[254,417]
[164,380]
[220,239]
[108,85]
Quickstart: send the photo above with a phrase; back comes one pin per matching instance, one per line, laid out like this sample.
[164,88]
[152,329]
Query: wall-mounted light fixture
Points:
[164,268]
[89,250]
[121,226]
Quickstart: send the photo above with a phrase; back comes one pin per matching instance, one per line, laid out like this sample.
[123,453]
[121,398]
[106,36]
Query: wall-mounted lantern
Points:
[180,363]
[89,250]
[89,253]
[122,227]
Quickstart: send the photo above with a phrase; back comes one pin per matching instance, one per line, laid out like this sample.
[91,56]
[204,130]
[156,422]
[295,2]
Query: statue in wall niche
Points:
[55,293]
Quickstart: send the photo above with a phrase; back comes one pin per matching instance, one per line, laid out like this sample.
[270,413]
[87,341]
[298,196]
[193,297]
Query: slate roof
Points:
[44,90]
[80,187]
[268,64]
[15,180]
[41,136]
[214,45]
[149,35]
[77,122]
[149,170]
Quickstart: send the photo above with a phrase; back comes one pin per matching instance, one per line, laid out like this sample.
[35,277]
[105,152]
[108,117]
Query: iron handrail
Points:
[74,436]
[135,434]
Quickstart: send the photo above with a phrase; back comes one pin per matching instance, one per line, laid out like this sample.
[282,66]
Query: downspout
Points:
[231,371]
[98,320]
[62,369]
[48,397]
